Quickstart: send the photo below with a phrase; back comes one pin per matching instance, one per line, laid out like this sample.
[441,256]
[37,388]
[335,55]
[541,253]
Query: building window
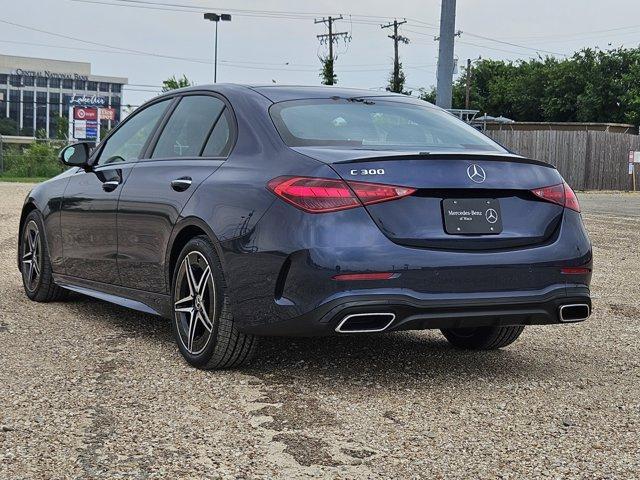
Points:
[41,97]
[54,82]
[54,101]
[15,80]
[66,102]
[41,81]
[27,96]
[81,84]
[3,102]
[115,101]
[54,113]
[3,78]
[104,87]
[93,86]
[116,88]
[27,119]
[28,81]
[67,83]
[41,116]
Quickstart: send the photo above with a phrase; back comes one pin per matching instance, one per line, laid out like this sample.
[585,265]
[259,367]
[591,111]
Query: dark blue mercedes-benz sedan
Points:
[244,211]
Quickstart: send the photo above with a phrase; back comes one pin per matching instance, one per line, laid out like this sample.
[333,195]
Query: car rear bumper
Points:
[293,289]
[419,312]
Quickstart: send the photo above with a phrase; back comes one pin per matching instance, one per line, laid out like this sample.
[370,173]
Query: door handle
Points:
[181,184]
[110,186]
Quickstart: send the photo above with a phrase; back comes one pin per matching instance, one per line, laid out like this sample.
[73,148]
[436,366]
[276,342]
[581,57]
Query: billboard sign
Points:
[88,100]
[79,129]
[91,130]
[107,113]
[80,113]
[84,125]
[85,130]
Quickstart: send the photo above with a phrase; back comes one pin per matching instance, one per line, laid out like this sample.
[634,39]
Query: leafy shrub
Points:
[36,160]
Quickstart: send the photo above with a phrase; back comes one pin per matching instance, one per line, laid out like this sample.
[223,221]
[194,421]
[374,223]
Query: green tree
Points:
[397,85]
[590,86]
[61,127]
[8,126]
[173,83]
[428,94]
[327,74]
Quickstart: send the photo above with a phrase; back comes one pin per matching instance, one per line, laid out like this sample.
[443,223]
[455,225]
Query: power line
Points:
[497,49]
[362,19]
[513,44]
[568,35]
[237,63]
[534,49]
[84,40]
[237,11]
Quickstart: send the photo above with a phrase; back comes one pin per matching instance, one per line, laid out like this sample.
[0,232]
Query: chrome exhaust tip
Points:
[366,322]
[575,312]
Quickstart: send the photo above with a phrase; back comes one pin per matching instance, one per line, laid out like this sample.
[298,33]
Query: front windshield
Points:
[371,123]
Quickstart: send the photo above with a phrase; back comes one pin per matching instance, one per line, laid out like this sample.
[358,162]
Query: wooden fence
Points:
[587,160]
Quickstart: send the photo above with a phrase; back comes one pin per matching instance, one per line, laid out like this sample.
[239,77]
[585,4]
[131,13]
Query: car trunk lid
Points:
[462,201]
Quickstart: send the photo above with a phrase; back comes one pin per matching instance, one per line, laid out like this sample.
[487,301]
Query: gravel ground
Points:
[91,390]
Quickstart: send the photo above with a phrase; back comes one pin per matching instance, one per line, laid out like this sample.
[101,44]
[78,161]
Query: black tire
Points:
[37,281]
[482,338]
[215,343]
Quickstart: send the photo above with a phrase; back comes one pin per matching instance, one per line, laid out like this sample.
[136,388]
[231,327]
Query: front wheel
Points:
[482,338]
[202,322]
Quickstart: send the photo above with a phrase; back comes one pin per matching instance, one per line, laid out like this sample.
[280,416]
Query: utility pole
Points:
[468,85]
[445,53]
[396,61]
[330,38]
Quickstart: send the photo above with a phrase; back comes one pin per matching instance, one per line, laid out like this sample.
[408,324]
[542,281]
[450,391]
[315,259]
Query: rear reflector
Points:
[562,194]
[346,277]
[575,270]
[320,195]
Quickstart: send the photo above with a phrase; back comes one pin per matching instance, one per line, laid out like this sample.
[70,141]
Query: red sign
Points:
[107,113]
[85,113]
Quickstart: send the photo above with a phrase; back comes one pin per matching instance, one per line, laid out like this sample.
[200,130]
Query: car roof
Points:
[279,93]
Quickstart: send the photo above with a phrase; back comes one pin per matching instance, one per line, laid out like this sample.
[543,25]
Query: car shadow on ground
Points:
[390,359]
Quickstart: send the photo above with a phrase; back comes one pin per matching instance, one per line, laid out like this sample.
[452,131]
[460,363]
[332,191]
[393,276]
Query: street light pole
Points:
[214,17]
[215,57]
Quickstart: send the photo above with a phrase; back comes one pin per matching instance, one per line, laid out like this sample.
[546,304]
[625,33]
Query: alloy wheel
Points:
[31,255]
[195,309]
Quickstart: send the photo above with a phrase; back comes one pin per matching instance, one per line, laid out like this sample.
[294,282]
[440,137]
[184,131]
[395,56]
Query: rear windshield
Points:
[372,123]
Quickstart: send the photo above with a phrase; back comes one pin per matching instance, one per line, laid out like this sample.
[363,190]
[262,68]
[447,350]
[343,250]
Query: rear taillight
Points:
[562,194]
[570,198]
[320,195]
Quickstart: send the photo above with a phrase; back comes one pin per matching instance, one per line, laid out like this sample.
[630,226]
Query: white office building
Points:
[34,92]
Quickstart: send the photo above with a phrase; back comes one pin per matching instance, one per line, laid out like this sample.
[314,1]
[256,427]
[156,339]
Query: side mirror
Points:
[76,155]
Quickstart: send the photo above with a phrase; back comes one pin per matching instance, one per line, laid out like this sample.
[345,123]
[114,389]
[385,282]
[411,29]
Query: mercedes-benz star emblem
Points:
[491,215]
[476,173]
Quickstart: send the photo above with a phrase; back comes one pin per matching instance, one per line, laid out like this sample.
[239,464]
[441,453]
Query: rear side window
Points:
[373,123]
[189,127]
[219,142]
